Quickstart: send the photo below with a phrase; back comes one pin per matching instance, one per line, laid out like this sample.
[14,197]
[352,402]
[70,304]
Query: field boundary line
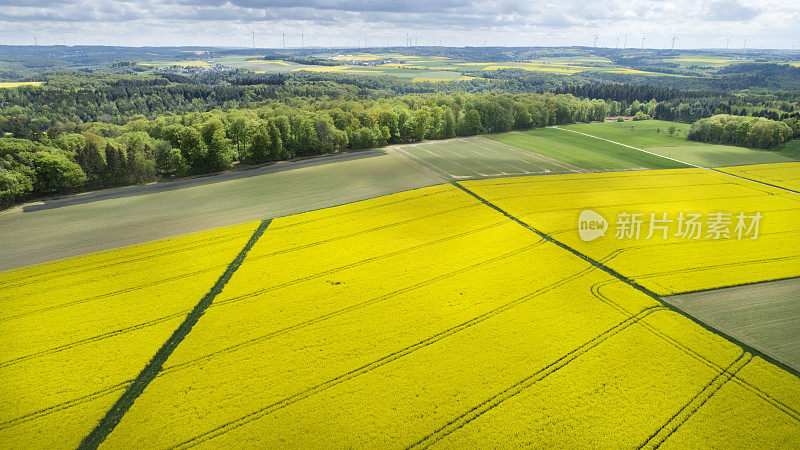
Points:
[375,364]
[784,408]
[245,296]
[711,169]
[687,411]
[150,371]
[348,309]
[751,283]
[511,391]
[600,265]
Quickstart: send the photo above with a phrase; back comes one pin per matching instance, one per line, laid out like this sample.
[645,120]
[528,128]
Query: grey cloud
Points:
[732,11]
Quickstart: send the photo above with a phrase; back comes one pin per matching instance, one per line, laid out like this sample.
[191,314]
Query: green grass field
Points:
[651,135]
[583,151]
[645,133]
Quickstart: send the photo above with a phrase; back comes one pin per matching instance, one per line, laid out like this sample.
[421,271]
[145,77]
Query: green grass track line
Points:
[151,370]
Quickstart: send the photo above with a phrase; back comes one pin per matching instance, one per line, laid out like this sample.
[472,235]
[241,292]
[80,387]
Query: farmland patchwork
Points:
[464,314]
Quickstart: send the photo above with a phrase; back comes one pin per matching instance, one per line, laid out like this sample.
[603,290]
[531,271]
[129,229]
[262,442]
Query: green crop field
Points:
[652,135]
[582,151]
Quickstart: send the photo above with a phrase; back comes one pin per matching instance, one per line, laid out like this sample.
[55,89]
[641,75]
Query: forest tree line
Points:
[69,157]
[756,132]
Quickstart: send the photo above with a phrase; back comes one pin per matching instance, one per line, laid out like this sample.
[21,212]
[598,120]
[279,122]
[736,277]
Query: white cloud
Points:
[772,23]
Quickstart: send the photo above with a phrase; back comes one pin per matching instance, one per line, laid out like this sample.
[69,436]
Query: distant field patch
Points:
[719,155]
[653,136]
[13,84]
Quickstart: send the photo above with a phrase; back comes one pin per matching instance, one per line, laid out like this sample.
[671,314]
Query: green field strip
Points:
[575,151]
[268,409]
[679,418]
[720,155]
[531,162]
[682,162]
[533,157]
[150,371]
[456,150]
[502,162]
[529,381]
[465,150]
[446,168]
[451,167]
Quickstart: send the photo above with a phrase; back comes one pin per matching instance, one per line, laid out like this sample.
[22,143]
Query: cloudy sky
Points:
[697,23]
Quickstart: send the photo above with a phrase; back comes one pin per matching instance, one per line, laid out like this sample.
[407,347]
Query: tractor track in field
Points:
[348,309]
[687,411]
[268,409]
[170,369]
[114,415]
[788,410]
[312,244]
[183,313]
[243,297]
[511,391]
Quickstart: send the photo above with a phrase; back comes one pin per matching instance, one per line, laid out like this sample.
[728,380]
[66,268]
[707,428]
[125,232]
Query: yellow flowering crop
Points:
[423,318]
[75,332]
[779,174]
[667,266]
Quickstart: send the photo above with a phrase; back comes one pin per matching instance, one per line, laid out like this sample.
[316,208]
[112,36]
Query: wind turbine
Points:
[254,38]
[642,42]
[674,38]
[595,40]
[283,40]
[617,46]
[625,41]
[727,41]
[302,42]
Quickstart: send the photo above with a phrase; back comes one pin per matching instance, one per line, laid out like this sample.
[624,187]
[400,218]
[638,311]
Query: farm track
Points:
[679,418]
[249,295]
[255,415]
[148,374]
[791,412]
[529,381]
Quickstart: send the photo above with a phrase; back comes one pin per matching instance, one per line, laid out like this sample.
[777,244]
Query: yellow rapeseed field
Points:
[75,332]
[423,318]
[785,175]
[552,204]
[13,84]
